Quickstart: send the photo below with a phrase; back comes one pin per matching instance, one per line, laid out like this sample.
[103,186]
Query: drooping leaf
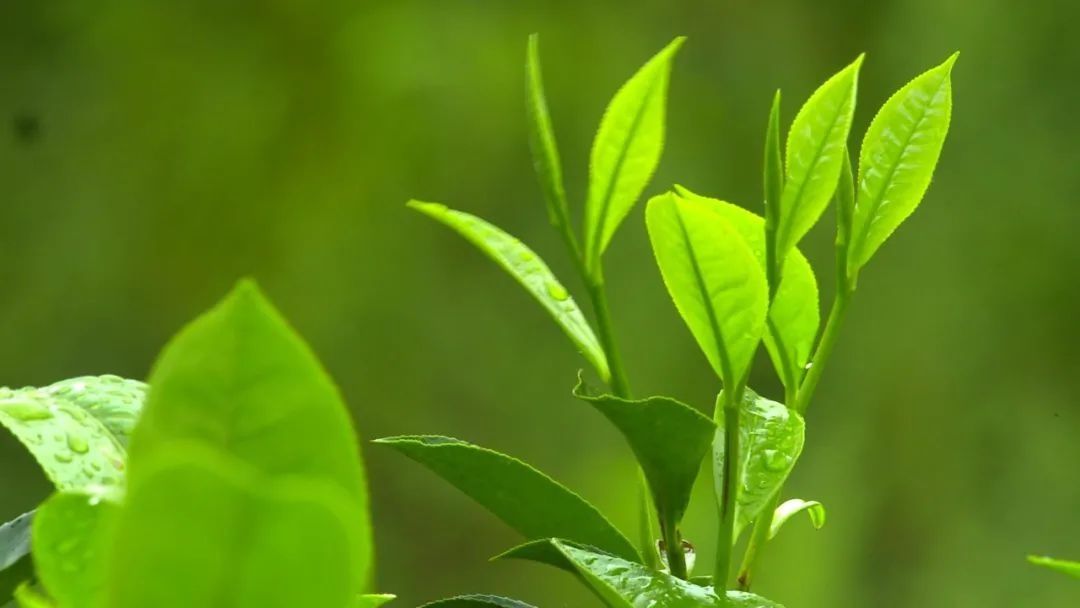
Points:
[545,151]
[15,566]
[622,584]
[714,278]
[789,508]
[530,271]
[794,315]
[669,439]
[626,151]
[815,148]
[76,429]
[477,601]
[239,380]
[899,153]
[771,439]
[1060,565]
[71,532]
[524,498]
[200,528]
[373,600]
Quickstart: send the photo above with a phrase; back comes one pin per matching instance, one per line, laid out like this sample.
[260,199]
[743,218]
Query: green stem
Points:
[620,385]
[676,558]
[730,488]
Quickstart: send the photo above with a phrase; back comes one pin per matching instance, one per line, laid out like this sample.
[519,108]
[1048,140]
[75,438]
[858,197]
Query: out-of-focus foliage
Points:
[150,153]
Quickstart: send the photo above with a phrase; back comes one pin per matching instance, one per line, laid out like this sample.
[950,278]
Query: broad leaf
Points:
[201,529]
[622,584]
[545,151]
[898,156]
[477,601]
[525,499]
[815,150]
[76,429]
[789,508]
[669,439]
[530,271]
[373,600]
[794,315]
[626,151]
[714,278]
[1060,565]
[15,566]
[238,379]
[71,532]
[771,439]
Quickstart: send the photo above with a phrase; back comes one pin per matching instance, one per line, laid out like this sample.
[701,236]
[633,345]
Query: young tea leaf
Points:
[545,151]
[477,601]
[525,499]
[815,148]
[28,597]
[239,380]
[794,314]
[1060,565]
[76,429]
[789,508]
[771,439]
[71,532]
[899,153]
[373,600]
[530,271]
[669,439]
[15,566]
[714,278]
[199,528]
[626,151]
[773,174]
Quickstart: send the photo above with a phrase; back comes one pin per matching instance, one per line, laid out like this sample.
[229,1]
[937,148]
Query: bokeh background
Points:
[153,152]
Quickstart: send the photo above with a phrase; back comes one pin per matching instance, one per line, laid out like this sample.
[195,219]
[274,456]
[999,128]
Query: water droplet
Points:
[557,291]
[526,256]
[25,411]
[64,457]
[776,460]
[809,364]
[77,443]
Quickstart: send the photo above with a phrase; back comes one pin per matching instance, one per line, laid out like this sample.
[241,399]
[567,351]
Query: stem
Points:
[730,488]
[619,383]
[676,558]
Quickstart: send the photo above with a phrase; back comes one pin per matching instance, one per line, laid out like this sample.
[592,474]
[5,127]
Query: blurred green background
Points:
[153,152]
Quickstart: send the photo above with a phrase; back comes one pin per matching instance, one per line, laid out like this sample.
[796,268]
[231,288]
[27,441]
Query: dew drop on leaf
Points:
[557,292]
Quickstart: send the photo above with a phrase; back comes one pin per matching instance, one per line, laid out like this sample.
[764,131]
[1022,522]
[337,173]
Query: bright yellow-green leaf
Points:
[545,151]
[373,600]
[714,278]
[1060,565]
[71,535]
[789,508]
[626,151]
[898,157]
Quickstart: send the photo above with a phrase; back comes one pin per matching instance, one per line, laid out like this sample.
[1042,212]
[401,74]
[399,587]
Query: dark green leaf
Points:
[898,157]
[477,601]
[815,150]
[15,566]
[199,528]
[714,279]
[669,439]
[527,500]
[626,151]
[530,271]
[1060,565]
[71,532]
[771,439]
[789,508]
[545,151]
[239,380]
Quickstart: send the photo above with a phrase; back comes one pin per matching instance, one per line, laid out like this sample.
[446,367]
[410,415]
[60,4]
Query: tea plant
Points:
[738,280]
[241,485]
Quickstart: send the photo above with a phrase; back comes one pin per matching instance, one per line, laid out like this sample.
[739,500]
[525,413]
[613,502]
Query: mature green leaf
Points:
[15,566]
[525,499]
[545,151]
[240,380]
[1060,565]
[477,601]
[199,528]
[622,584]
[530,271]
[373,600]
[789,508]
[714,279]
[898,156]
[669,439]
[71,532]
[815,150]
[771,439]
[76,429]
[794,315]
[626,151]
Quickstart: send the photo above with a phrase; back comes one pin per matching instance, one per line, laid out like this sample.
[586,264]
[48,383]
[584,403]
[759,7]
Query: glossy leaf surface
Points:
[626,151]
[815,149]
[714,278]
[794,315]
[1059,565]
[478,601]
[789,508]
[530,271]
[525,499]
[899,153]
[771,439]
[669,439]
[71,532]
[201,529]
